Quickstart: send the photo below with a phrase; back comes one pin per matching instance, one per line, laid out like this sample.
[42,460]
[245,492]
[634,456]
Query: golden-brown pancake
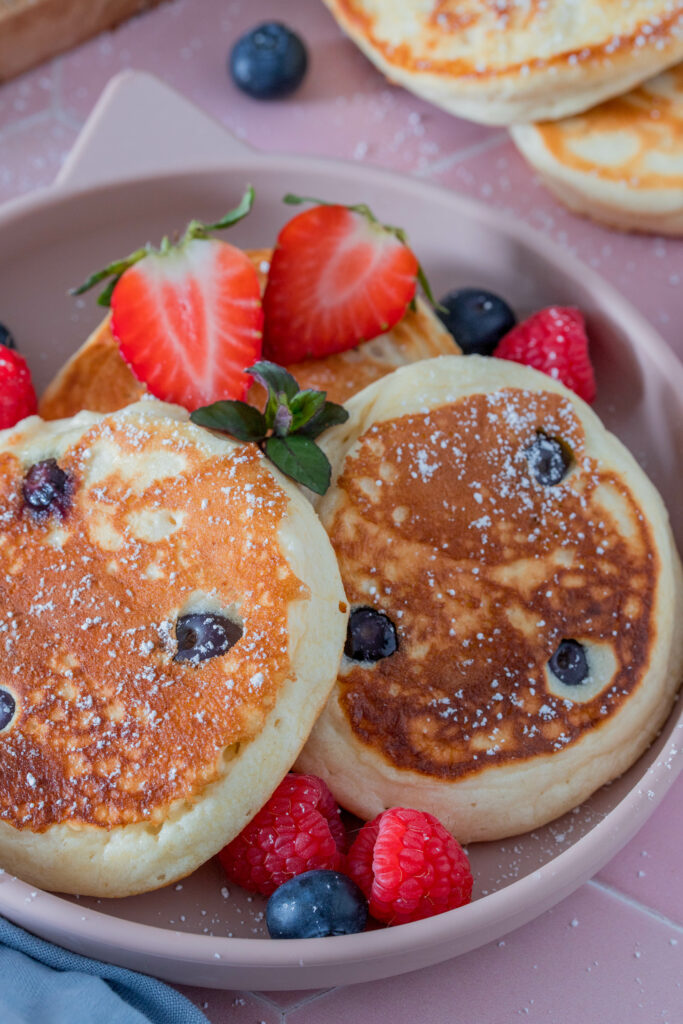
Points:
[503,61]
[621,162]
[172,624]
[97,378]
[526,627]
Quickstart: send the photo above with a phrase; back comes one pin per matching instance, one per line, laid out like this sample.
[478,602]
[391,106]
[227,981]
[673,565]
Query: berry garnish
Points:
[569,663]
[268,62]
[314,904]
[8,706]
[47,488]
[554,341]
[187,316]
[298,830]
[409,866]
[477,319]
[6,337]
[337,277]
[17,396]
[370,635]
[286,429]
[205,635]
[548,459]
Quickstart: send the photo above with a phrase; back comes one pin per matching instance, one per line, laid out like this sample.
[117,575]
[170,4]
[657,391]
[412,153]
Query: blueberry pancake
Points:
[504,61]
[516,600]
[172,619]
[621,162]
[97,378]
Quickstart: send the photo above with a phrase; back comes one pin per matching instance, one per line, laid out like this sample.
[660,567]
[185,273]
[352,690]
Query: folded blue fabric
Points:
[44,984]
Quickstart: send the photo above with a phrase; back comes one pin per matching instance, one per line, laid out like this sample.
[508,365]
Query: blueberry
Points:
[7,708]
[548,459]
[371,635]
[6,337]
[569,663]
[205,635]
[316,903]
[47,487]
[477,319]
[269,62]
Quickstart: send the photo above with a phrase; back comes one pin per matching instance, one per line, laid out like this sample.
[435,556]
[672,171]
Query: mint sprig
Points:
[195,229]
[286,429]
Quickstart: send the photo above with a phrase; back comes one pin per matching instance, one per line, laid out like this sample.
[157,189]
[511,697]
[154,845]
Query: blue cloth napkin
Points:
[43,984]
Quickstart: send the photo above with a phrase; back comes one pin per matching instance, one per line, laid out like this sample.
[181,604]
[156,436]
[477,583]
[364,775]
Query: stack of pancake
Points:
[552,70]
[176,615]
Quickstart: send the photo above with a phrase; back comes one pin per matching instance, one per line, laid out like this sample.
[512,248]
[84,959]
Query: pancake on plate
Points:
[172,620]
[97,378]
[621,162]
[516,600]
[501,61]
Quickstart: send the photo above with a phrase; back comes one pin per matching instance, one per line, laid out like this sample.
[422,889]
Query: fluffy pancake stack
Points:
[173,618]
[516,597]
[519,62]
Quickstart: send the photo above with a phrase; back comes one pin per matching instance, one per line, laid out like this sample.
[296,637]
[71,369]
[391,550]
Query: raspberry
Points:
[17,397]
[298,830]
[553,341]
[409,867]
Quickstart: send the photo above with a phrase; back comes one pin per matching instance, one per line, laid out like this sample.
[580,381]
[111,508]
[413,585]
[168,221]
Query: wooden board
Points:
[31,31]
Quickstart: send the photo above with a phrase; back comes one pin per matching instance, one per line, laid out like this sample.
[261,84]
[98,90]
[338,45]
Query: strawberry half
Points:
[337,278]
[187,317]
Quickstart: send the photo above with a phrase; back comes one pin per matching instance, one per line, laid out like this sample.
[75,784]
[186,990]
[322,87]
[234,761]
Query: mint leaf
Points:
[329,415]
[304,406]
[237,418]
[282,421]
[300,458]
[275,379]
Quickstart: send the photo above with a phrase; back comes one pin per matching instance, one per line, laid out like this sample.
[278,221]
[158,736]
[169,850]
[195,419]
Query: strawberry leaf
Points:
[329,415]
[300,458]
[237,418]
[196,229]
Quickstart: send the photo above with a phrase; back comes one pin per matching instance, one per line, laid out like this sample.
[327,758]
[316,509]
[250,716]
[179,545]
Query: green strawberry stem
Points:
[364,210]
[195,229]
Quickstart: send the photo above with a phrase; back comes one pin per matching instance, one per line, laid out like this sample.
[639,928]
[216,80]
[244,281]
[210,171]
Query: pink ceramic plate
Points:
[144,165]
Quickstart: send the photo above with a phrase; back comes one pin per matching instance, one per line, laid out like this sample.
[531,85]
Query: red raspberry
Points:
[409,867]
[298,830]
[554,341]
[17,397]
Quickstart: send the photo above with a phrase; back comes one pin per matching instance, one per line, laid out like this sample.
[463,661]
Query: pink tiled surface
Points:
[612,951]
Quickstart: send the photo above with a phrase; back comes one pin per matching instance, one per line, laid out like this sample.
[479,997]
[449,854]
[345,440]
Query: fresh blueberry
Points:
[6,337]
[7,708]
[548,459]
[314,904]
[569,663]
[203,635]
[47,487]
[269,62]
[371,635]
[477,319]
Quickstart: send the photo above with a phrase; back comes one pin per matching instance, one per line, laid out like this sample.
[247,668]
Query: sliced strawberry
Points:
[337,277]
[188,320]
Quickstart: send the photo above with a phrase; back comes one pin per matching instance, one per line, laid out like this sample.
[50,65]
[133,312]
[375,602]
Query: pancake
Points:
[621,162]
[97,378]
[440,525]
[132,747]
[502,61]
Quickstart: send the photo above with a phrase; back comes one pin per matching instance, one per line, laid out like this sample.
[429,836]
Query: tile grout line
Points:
[460,155]
[17,127]
[635,904]
[295,1006]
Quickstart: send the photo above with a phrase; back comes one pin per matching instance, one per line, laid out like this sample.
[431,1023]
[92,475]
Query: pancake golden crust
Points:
[621,162]
[97,378]
[438,523]
[113,737]
[501,62]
